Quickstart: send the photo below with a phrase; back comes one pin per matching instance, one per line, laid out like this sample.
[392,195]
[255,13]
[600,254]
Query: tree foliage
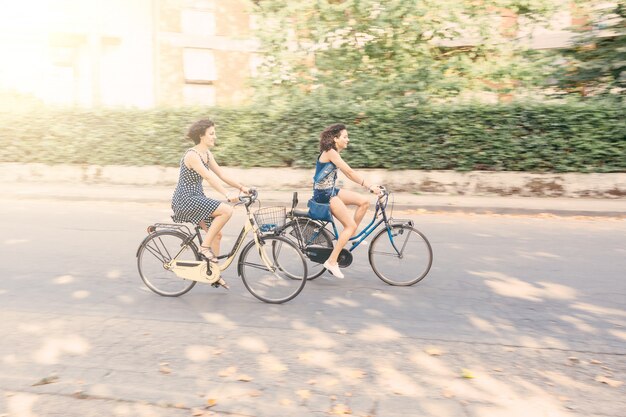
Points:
[596,62]
[399,51]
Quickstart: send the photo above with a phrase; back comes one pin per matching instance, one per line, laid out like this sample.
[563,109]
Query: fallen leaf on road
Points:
[305,394]
[433,351]
[46,380]
[341,409]
[80,395]
[610,382]
[244,378]
[352,373]
[574,359]
[196,412]
[165,370]
[227,372]
[447,393]
[595,362]
[466,373]
[211,402]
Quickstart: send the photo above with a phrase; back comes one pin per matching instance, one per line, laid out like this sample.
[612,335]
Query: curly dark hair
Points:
[327,137]
[199,129]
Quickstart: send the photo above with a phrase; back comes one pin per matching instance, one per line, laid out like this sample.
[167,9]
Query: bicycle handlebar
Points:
[248,199]
[381,199]
[383,192]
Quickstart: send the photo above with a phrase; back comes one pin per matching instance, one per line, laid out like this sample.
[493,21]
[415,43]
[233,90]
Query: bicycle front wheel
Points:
[275,272]
[400,255]
[154,252]
[306,232]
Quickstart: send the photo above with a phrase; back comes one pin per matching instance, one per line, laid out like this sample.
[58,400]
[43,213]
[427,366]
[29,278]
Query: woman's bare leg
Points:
[213,237]
[341,213]
[351,198]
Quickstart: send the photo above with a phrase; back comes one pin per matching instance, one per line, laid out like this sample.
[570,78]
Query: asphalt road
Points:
[519,316]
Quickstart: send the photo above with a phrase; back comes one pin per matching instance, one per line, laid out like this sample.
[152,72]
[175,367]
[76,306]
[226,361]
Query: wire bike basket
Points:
[271,219]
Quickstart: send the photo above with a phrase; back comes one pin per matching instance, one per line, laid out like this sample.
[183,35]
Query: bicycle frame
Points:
[369,229]
[249,225]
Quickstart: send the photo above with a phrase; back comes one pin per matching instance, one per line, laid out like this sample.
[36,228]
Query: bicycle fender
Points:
[150,235]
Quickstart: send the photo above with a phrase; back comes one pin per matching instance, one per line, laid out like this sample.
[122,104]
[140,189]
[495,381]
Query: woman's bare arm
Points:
[215,167]
[193,161]
[347,170]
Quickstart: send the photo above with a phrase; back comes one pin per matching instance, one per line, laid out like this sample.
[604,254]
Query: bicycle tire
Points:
[305,232]
[157,249]
[414,262]
[287,276]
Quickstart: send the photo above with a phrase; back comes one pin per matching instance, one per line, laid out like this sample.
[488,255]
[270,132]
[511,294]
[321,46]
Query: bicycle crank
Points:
[319,254]
[195,271]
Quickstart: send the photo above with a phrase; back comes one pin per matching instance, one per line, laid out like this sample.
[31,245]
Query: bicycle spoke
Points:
[261,266]
[156,251]
[393,254]
[406,240]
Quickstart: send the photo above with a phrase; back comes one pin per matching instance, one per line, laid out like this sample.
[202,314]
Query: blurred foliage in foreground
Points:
[516,137]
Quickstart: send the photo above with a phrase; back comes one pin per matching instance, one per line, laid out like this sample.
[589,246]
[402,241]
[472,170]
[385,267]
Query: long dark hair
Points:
[327,137]
[199,129]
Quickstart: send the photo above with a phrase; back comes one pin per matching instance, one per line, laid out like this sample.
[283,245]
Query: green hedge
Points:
[517,137]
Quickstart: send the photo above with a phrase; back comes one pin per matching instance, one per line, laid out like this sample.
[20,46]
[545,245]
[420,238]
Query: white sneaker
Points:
[333,269]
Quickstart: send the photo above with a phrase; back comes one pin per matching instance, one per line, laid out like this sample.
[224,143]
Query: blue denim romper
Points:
[324,181]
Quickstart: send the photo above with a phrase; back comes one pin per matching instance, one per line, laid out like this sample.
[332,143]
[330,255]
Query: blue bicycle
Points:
[399,254]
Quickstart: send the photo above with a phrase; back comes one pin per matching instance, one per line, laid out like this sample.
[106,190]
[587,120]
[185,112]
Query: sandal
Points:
[208,253]
[220,283]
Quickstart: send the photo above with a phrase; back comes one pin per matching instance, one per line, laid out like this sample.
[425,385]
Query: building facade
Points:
[119,53]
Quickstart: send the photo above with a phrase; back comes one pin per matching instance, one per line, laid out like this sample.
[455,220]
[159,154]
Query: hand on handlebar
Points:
[379,190]
[248,196]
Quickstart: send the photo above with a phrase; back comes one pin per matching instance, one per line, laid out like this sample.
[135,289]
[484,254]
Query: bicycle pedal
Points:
[220,283]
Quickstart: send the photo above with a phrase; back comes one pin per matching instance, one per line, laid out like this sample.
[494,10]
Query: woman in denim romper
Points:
[333,140]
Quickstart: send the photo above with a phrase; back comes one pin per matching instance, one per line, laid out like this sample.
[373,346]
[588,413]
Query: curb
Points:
[420,203]
[473,183]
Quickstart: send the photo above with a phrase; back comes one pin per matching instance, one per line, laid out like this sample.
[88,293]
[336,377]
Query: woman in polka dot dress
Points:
[189,202]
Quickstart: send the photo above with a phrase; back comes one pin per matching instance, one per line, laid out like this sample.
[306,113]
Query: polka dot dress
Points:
[189,203]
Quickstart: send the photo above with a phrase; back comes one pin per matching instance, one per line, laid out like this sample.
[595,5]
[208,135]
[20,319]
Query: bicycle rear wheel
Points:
[286,275]
[154,252]
[400,255]
[306,232]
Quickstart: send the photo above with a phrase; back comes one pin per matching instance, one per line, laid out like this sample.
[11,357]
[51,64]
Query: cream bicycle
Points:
[272,267]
